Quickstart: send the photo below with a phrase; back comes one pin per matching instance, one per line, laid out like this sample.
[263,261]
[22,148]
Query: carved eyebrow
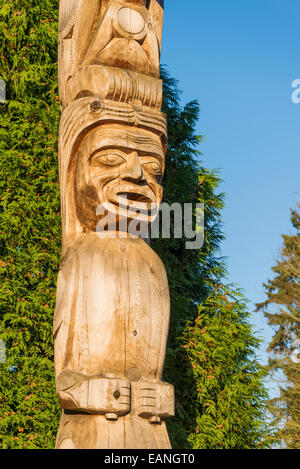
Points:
[144,148]
[159,157]
[142,153]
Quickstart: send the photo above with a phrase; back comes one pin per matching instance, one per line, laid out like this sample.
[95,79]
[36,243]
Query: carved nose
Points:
[133,169]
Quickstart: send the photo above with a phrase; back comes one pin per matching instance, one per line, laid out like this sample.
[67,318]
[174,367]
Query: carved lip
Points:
[134,201]
[135,197]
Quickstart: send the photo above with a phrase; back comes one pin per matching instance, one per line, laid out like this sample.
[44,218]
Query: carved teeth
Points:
[135,197]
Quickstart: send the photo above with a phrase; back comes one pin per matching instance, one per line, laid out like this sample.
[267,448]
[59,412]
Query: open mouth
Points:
[134,197]
[136,202]
[132,203]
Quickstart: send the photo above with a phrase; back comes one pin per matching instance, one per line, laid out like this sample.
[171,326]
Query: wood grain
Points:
[112,310]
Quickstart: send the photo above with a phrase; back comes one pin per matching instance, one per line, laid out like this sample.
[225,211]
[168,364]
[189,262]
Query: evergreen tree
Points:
[29,222]
[210,357]
[282,309]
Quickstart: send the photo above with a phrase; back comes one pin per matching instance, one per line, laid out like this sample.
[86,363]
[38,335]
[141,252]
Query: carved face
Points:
[120,168]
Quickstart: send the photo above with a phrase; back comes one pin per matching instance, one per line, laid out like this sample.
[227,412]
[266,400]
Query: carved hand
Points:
[155,401]
[110,397]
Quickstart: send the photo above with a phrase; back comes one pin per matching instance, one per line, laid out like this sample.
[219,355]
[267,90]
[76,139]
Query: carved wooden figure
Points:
[112,312]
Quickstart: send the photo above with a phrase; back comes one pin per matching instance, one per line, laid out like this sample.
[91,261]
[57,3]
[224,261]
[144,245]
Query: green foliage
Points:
[30,222]
[30,244]
[283,299]
[228,395]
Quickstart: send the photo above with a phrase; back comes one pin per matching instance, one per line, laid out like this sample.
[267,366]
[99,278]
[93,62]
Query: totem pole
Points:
[112,311]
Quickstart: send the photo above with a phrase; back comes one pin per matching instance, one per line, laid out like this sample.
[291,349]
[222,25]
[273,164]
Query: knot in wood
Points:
[96,107]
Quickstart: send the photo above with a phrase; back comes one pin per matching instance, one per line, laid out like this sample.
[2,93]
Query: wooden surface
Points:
[112,311]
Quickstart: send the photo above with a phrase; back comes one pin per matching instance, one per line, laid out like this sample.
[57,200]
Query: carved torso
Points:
[122,330]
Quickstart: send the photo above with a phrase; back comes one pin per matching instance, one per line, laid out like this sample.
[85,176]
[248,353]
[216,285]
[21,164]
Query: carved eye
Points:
[153,167]
[108,159]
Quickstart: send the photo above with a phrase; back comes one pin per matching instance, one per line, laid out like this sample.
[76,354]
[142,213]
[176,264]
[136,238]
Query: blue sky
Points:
[238,58]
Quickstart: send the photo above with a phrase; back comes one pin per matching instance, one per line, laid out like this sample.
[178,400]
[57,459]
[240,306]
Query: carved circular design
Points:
[134,374]
[96,107]
[131,20]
